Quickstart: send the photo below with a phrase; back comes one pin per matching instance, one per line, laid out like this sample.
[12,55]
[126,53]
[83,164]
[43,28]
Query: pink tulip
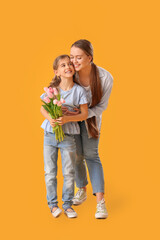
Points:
[59,104]
[45,89]
[55,91]
[62,100]
[50,90]
[50,95]
[55,101]
[47,100]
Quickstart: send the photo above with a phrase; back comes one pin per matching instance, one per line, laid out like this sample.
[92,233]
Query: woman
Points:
[98,84]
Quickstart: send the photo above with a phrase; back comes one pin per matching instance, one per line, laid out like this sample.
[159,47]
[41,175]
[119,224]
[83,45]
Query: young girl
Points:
[75,97]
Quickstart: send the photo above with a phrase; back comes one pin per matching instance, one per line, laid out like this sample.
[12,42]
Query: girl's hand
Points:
[52,122]
[61,120]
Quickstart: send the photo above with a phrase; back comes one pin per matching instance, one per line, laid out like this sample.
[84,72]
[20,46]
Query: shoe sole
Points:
[101,216]
[55,215]
[70,216]
[75,203]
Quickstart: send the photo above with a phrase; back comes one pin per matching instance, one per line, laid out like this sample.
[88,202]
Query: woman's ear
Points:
[90,58]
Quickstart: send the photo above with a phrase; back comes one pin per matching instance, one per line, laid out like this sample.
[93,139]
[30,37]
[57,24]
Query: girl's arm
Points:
[47,116]
[75,118]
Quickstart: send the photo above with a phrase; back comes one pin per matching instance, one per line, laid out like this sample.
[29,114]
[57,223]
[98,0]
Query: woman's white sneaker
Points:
[57,212]
[80,197]
[101,210]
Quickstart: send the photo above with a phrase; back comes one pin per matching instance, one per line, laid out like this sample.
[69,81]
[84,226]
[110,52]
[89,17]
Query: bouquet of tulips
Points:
[52,104]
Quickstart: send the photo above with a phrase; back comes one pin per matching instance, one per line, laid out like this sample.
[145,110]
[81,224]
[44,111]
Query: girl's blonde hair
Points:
[56,80]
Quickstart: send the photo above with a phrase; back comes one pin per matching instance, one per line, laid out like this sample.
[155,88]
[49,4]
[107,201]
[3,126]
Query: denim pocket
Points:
[48,134]
[49,139]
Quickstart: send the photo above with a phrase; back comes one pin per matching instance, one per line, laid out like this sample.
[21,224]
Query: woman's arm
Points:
[47,116]
[74,118]
[69,113]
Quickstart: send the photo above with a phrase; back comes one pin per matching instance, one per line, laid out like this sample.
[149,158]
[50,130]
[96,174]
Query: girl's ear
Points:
[56,72]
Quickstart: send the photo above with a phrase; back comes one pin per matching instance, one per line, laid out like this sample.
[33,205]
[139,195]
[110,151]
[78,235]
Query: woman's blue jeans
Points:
[87,150]
[68,155]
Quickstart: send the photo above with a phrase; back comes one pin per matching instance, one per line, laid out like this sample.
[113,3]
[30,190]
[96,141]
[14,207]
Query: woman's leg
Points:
[90,151]
[80,169]
[91,155]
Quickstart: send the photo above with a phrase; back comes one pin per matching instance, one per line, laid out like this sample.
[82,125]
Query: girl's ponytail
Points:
[55,82]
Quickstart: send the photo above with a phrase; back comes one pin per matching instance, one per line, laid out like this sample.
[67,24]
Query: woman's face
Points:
[79,58]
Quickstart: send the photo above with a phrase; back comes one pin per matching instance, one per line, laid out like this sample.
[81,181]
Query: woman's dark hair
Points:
[56,80]
[95,84]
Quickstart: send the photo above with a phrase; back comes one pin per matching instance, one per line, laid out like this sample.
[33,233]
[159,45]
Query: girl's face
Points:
[65,68]
[79,58]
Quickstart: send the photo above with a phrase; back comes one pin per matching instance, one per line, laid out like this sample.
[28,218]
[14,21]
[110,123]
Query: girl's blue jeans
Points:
[87,150]
[68,155]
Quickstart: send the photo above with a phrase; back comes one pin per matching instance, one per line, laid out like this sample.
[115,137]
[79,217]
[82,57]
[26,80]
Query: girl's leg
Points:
[68,155]
[50,167]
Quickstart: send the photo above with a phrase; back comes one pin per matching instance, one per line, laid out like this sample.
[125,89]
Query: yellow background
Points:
[126,43]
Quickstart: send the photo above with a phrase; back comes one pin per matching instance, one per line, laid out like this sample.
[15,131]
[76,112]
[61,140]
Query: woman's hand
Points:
[70,113]
[64,109]
[74,117]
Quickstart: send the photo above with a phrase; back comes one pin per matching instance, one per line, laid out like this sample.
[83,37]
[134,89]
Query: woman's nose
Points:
[75,60]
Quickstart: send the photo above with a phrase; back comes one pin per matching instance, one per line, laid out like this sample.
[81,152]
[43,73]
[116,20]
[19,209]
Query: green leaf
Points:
[58,97]
[44,102]
[46,108]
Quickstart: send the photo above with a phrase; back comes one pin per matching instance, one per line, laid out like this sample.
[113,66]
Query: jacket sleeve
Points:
[102,105]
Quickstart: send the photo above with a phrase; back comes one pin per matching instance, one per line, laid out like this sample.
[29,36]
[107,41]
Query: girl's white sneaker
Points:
[70,214]
[57,212]
[101,210]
